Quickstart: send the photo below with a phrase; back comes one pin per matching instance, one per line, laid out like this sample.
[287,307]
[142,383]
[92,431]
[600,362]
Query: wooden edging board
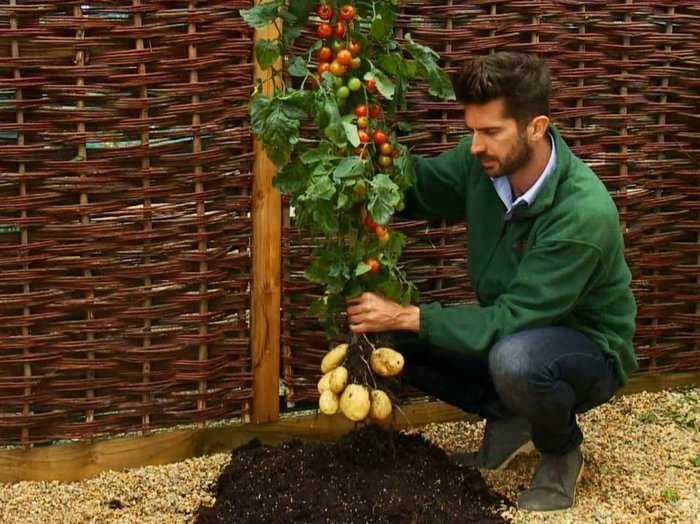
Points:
[77,461]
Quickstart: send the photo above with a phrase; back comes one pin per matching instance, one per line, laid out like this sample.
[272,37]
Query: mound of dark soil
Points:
[370,475]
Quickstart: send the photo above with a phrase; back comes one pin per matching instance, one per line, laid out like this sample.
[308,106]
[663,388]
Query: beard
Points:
[517,157]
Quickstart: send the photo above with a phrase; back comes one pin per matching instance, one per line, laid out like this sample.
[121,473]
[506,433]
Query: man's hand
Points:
[372,312]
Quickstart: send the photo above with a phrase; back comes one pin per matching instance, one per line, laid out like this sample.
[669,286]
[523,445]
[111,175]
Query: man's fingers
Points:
[354,310]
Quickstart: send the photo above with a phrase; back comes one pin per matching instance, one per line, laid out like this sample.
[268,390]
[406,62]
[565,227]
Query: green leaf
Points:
[318,154]
[383,23]
[291,29]
[292,178]
[297,67]
[403,168]
[327,112]
[361,269]
[696,461]
[276,122]
[384,84]
[301,9]
[262,14]
[384,195]
[267,52]
[350,167]
[351,133]
[320,189]
[426,61]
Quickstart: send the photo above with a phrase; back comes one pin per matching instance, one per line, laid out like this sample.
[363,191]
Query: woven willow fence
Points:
[126,179]
[126,168]
[626,98]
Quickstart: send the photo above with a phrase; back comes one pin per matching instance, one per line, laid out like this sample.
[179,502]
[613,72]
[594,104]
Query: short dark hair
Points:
[522,80]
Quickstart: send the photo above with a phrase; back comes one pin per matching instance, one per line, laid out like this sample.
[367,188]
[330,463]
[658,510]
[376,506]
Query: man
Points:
[552,333]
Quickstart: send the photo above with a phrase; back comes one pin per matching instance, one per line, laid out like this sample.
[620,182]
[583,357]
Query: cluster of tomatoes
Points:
[340,56]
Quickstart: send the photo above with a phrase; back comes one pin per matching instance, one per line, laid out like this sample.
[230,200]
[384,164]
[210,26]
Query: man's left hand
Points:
[372,312]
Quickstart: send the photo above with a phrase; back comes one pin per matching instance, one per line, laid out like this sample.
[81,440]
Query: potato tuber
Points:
[354,402]
[381,405]
[386,362]
[325,383]
[328,403]
[338,379]
[334,358]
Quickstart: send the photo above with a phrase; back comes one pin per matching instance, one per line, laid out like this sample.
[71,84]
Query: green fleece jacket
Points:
[558,262]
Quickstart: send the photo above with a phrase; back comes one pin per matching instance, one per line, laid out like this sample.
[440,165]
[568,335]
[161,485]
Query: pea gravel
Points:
[642,457]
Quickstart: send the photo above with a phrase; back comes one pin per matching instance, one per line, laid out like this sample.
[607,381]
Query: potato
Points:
[338,380]
[328,403]
[386,362]
[354,402]
[325,383]
[381,405]
[334,358]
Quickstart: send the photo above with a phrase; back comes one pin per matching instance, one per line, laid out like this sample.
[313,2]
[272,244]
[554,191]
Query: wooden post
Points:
[266,288]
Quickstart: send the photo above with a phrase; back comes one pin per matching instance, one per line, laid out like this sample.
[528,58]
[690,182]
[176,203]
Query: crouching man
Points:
[552,333]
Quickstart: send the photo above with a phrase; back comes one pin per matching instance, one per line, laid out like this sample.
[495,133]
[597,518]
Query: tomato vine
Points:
[345,186]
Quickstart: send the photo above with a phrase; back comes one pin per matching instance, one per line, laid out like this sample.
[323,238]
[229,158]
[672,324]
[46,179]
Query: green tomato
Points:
[354,84]
[338,81]
[337,45]
[342,92]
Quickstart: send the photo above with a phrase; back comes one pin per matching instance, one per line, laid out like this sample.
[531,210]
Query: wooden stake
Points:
[266,288]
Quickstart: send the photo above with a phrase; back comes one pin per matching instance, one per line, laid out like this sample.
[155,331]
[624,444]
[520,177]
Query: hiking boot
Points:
[503,441]
[554,483]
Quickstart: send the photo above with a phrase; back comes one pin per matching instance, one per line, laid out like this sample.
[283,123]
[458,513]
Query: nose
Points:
[477,146]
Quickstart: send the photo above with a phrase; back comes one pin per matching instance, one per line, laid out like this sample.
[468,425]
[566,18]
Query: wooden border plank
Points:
[78,461]
[267,267]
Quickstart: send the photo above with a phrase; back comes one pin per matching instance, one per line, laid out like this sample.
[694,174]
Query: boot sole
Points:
[525,448]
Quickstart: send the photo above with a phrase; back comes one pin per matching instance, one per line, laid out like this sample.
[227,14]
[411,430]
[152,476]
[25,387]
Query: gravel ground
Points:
[642,457]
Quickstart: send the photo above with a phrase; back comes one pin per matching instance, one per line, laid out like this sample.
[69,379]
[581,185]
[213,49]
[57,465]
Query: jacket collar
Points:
[545,198]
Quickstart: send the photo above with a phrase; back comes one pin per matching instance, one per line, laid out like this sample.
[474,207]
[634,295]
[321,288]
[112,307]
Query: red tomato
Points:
[382,234]
[361,110]
[379,137]
[337,68]
[347,12]
[364,137]
[370,224]
[325,54]
[323,67]
[354,48]
[371,86]
[324,12]
[344,57]
[373,264]
[375,111]
[340,29]
[325,30]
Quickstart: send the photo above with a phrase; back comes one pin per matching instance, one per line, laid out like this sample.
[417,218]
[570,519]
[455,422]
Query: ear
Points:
[538,127]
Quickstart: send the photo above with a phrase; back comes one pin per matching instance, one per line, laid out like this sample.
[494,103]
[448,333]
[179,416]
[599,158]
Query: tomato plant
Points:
[346,186]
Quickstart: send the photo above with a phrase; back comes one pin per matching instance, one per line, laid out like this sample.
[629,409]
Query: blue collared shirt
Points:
[505,192]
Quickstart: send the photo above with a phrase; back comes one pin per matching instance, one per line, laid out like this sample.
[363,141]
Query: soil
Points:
[370,475]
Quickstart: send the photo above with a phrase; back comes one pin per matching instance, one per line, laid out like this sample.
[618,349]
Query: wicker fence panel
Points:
[125,215]
[626,97]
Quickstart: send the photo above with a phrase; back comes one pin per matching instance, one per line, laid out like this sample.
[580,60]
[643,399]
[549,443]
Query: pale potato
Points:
[328,403]
[334,358]
[354,402]
[325,383]
[386,362]
[381,405]
[338,380]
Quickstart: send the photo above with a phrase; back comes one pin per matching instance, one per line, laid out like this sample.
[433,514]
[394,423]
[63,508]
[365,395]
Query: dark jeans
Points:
[545,375]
